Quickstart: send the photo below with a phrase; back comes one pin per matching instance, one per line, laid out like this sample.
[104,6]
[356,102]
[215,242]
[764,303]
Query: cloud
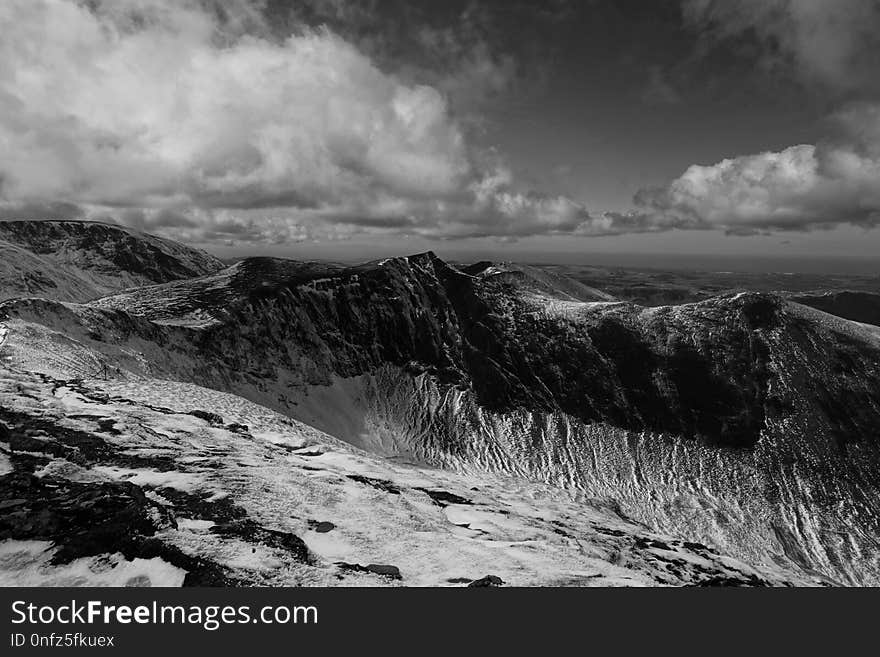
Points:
[799,188]
[833,43]
[205,120]
[37,211]
[452,47]
[187,114]
[120,113]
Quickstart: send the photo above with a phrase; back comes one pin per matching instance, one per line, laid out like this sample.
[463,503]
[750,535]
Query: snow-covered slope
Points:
[535,279]
[133,482]
[78,260]
[746,422]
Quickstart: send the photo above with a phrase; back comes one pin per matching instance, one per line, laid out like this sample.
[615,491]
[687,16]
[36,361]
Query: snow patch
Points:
[27,563]
[194,525]
[5,464]
[182,481]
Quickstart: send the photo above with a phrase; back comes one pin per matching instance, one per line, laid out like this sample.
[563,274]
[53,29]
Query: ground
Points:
[242,495]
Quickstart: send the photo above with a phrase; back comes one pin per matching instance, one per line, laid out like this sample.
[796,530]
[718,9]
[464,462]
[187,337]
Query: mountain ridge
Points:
[745,421]
[756,408]
[83,260]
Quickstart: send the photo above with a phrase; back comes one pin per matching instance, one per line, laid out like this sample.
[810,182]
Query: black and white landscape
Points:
[290,297]
[408,420]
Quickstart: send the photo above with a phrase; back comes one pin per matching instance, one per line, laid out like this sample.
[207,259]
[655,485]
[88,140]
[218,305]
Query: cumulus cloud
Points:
[799,188]
[192,115]
[448,46]
[202,120]
[807,186]
[105,108]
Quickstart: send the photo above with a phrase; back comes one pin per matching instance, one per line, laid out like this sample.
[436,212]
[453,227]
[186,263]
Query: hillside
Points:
[745,422]
[134,483]
[859,306]
[79,261]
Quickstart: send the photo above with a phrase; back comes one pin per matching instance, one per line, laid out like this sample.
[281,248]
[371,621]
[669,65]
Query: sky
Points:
[554,130]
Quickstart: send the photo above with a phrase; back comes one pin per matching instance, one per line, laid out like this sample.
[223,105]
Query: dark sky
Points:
[603,97]
[729,127]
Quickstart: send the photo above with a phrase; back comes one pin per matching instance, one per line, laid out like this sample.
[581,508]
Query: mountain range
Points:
[168,419]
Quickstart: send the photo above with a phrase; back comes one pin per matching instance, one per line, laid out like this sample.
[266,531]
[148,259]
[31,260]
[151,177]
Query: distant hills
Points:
[79,261]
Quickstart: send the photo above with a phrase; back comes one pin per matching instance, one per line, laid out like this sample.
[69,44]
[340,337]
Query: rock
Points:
[487,581]
[251,532]
[213,418]
[82,519]
[385,571]
[378,484]
[443,498]
[391,572]
[108,426]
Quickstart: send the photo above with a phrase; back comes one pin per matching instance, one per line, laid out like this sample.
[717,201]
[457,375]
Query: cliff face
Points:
[78,261]
[715,371]
[746,420]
